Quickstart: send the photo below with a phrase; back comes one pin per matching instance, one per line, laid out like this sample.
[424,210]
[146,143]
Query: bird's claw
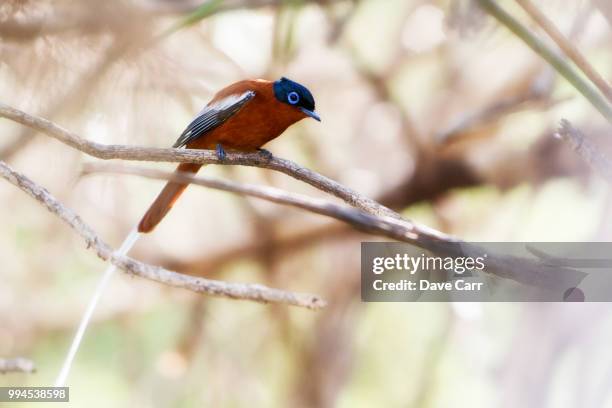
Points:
[266,154]
[220,152]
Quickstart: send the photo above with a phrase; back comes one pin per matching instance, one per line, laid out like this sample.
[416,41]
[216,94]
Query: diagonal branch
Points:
[106,152]
[376,225]
[253,292]
[518,269]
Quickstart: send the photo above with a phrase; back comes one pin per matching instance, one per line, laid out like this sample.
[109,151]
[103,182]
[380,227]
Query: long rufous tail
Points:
[166,199]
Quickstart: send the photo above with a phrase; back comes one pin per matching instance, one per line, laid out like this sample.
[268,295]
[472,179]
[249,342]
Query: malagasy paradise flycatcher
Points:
[242,117]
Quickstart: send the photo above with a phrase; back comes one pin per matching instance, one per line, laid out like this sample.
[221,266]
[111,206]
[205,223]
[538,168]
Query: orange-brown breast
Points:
[262,119]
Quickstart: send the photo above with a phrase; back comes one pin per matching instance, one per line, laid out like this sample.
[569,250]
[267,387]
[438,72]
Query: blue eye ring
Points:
[293,97]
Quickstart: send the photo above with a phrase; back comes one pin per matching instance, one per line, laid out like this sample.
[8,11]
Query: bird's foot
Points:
[266,154]
[220,152]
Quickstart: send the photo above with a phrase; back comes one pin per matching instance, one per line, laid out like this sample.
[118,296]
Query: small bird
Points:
[242,117]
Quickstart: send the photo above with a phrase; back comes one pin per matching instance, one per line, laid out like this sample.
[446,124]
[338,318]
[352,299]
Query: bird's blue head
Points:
[294,94]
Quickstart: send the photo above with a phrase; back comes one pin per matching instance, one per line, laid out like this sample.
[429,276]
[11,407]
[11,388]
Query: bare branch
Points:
[383,226]
[16,365]
[518,269]
[585,149]
[123,152]
[254,292]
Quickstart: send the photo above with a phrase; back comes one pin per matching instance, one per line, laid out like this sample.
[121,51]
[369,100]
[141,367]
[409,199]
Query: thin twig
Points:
[383,226]
[585,149]
[518,269]
[254,292]
[124,152]
[16,365]
[568,48]
[543,50]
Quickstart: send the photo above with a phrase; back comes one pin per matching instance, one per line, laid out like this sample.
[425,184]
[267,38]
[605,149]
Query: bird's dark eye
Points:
[293,97]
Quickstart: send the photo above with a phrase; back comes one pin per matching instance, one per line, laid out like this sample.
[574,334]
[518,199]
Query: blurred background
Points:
[430,107]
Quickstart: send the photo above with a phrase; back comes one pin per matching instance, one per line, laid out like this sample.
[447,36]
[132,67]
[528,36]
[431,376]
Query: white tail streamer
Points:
[125,247]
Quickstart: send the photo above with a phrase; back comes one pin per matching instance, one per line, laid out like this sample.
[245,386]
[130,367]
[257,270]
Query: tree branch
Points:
[16,365]
[518,269]
[124,152]
[383,226]
[254,292]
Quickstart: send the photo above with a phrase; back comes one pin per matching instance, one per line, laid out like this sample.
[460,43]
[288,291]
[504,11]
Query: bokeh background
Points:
[430,107]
